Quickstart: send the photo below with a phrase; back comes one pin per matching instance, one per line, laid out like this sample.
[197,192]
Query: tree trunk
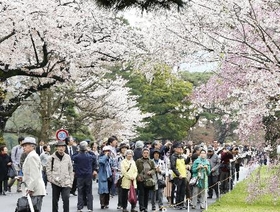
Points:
[48,106]
[3,121]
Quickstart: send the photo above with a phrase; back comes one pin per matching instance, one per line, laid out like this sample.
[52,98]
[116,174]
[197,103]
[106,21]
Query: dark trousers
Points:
[213,185]
[45,179]
[224,178]
[39,203]
[85,193]
[143,196]
[105,198]
[5,184]
[188,190]
[181,190]
[65,195]
[125,198]
[173,192]
[74,185]
[120,190]
[237,169]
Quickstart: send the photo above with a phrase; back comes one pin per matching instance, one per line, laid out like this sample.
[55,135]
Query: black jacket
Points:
[173,160]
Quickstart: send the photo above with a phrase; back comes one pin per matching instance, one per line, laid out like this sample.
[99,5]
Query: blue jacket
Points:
[84,164]
[104,173]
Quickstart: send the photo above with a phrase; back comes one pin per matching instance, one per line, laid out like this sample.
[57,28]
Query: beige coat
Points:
[32,174]
[59,172]
[127,175]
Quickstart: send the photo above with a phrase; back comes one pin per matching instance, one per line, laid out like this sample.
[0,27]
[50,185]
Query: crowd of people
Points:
[160,172]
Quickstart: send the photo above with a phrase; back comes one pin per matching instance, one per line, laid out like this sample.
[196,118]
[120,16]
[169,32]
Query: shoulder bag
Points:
[12,172]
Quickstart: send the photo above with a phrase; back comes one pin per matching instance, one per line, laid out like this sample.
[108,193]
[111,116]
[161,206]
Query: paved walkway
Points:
[8,202]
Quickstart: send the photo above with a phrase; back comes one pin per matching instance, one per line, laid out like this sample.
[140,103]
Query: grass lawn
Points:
[235,201]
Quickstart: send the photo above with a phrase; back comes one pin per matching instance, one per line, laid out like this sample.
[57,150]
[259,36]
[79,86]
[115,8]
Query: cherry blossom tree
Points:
[142,4]
[107,107]
[45,42]
[241,39]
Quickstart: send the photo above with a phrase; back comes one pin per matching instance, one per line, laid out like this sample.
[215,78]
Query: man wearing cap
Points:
[85,166]
[214,161]
[32,179]
[60,175]
[160,175]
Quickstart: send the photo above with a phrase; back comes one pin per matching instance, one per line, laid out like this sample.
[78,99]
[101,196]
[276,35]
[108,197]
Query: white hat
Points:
[106,148]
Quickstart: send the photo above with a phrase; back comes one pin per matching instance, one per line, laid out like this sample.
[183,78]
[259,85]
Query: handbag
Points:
[149,183]
[23,205]
[160,183]
[119,182]
[132,198]
[12,172]
[193,181]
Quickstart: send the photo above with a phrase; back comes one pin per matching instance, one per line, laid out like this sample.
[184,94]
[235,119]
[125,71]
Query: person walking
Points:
[70,150]
[226,156]
[213,178]
[85,166]
[60,175]
[146,170]
[5,162]
[44,159]
[16,154]
[122,151]
[178,166]
[201,170]
[160,175]
[105,176]
[113,143]
[129,174]
[39,147]
[138,150]
[32,180]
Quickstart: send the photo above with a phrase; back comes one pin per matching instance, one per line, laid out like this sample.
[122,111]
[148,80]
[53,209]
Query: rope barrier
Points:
[188,200]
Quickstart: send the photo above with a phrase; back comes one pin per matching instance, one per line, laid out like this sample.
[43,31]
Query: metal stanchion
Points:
[206,193]
[230,172]
[219,192]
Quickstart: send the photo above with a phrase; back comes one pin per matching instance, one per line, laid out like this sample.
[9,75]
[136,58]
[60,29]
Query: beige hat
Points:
[60,143]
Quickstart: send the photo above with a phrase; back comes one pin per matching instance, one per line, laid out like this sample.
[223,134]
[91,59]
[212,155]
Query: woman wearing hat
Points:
[105,176]
[122,150]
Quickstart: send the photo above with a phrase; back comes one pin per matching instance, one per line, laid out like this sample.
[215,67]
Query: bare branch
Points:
[7,36]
